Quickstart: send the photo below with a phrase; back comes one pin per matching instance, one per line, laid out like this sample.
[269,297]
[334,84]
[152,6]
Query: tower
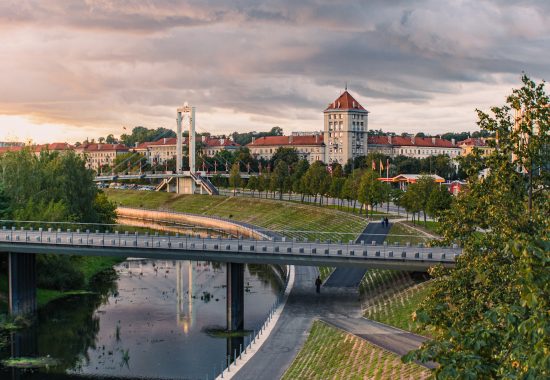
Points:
[345,131]
[188,113]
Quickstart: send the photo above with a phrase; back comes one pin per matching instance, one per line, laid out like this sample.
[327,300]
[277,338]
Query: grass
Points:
[431,226]
[330,353]
[22,362]
[43,296]
[402,234]
[397,309]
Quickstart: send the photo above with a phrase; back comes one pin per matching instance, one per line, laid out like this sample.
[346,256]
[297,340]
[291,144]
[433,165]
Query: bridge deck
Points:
[227,250]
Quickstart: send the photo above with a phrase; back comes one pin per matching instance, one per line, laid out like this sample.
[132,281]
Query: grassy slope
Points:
[397,310]
[402,234]
[291,219]
[330,353]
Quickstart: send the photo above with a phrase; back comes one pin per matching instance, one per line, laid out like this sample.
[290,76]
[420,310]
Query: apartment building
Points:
[411,146]
[310,147]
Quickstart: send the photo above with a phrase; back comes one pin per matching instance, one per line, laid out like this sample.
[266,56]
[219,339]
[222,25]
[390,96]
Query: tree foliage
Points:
[489,315]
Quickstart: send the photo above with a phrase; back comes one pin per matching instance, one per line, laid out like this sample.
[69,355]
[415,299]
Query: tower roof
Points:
[345,102]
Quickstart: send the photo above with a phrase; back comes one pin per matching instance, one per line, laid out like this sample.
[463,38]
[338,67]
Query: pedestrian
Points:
[318,283]
[386,220]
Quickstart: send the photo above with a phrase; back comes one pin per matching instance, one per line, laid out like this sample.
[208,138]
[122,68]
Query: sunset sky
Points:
[77,69]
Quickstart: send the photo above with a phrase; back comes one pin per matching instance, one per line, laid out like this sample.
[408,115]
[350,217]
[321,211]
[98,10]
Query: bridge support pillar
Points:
[185,185]
[235,297]
[22,283]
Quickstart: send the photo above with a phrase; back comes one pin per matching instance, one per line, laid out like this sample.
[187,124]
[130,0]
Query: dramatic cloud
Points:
[85,69]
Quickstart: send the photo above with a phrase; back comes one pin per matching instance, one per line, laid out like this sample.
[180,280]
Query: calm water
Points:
[149,321]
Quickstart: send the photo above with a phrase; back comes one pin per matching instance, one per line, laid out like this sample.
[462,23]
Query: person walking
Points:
[318,283]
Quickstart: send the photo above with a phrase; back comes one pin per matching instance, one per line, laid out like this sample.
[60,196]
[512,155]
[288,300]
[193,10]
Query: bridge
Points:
[22,245]
[163,175]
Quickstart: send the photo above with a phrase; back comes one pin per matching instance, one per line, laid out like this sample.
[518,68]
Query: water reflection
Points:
[149,322]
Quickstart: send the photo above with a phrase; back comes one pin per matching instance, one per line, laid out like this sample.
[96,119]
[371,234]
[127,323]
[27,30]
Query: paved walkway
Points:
[344,277]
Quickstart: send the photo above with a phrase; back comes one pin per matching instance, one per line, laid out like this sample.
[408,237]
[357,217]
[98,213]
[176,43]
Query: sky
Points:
[71,70]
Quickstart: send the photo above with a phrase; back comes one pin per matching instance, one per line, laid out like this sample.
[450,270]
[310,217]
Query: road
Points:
[351,277]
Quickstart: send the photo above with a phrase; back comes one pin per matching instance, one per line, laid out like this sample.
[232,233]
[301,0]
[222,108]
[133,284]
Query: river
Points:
[148,319]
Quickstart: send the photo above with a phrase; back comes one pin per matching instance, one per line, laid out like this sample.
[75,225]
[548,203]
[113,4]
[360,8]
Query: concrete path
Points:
[351,277]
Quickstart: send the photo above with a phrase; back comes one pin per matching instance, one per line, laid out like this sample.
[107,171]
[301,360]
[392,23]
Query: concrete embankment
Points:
[230,227]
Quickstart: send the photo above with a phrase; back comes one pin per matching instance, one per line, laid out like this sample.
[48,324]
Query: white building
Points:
[411,146]
[309,147]
[99,155]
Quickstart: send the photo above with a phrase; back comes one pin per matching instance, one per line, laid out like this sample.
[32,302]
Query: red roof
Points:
[5,149]
[166,141]
[102,147]
[53,146]
[219,142]
[411,141]
[287,140]
[345,102]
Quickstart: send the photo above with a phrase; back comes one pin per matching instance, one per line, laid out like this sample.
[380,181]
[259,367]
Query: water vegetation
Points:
[30,363]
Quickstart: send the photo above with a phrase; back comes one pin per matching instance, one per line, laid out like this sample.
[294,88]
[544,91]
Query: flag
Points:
[381,165]
[373,165]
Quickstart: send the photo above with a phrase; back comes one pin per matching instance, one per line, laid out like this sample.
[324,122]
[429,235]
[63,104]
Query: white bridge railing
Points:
[267,247]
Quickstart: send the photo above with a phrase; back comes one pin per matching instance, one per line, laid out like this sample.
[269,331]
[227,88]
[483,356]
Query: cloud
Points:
[98,65]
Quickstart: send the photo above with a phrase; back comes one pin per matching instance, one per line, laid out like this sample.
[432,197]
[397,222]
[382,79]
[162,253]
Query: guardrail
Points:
[278,248]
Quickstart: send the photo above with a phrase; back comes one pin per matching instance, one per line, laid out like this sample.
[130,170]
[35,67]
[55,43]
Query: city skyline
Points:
[86,70]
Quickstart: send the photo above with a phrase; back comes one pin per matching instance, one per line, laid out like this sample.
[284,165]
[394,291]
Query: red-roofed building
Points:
[213,145]
[160,151]
[411,146]
[98,155]
[469,144]
[309,147]
[345,132]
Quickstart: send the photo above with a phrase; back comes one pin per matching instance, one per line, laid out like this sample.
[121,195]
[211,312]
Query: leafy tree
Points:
[439,200]
[111,139]
[5,204]
[252,184]
[421,191]
[396,196]
[489,315]
[288,155]
[299,171]
[142,134]
[130,161]
[371,190]
[410,202]
[278,177]
[235,179]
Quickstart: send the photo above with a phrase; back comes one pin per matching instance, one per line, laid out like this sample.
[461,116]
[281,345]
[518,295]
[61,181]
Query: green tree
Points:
[299,172]
[396,196]
[421,191]
[371,190]
[235,179]
[279,177]
[489,315]
[252,184]
[439,200]
[288,155]
[5,204]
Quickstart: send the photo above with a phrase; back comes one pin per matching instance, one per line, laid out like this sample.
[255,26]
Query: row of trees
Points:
[318,181]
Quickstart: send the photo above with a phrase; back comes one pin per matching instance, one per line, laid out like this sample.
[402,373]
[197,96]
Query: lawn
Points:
[330,353]
[402,234]
[397,309]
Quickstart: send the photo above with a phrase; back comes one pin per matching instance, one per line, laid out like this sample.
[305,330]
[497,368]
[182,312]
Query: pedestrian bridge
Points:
[269,251]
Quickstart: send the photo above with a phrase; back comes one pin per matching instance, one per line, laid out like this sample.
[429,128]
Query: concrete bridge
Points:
[23,244]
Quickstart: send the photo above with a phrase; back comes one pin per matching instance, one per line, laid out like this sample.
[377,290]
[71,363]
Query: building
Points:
[4,144]
[310,147]
[37,149]
[99,155]
[469,144]
[213,145]
[345,129]
[411,146]
[160,151]
[403,180]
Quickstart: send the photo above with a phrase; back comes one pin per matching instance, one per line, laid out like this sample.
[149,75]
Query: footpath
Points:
[338,304]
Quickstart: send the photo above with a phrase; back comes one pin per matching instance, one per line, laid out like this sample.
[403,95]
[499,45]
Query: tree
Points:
[5,206]
[420,192]
[111,139]
[489,315]
[439,200]
[299,171]
[396,196]
[252,184]
[278,177]
[371,190]
[235,177]
[288,155]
